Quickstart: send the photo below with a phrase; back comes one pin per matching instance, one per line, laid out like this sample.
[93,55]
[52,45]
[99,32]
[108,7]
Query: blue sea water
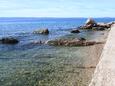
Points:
[39,64]
[22,28]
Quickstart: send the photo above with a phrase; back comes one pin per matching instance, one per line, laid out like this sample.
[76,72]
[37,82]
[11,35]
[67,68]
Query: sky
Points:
[57,8]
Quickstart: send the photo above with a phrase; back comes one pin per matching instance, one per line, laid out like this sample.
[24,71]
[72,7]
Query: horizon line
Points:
[55,17]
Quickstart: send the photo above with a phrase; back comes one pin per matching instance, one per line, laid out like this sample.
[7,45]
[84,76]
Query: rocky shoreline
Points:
[74,42]
[90,24]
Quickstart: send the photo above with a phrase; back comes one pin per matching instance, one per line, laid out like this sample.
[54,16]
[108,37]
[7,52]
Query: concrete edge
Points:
[104,74]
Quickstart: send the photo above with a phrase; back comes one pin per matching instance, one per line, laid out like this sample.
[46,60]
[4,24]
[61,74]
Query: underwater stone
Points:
[9,40]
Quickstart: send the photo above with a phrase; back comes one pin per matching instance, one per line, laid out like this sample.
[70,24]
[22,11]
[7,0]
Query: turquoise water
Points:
[26,64]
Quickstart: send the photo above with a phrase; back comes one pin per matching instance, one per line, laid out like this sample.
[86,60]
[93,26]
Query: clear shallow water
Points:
[25,64]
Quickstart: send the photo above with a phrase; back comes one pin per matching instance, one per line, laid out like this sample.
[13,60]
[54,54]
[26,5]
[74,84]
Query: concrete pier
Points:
[104,74]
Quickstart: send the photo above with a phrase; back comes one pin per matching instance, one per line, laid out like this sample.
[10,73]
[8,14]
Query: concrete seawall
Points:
[104,74]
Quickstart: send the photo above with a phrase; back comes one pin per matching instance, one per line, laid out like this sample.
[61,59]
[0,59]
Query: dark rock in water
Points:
[37,42]
[90,43]
[62,42]
[87,27]
[75,31]
[111,23]
[42,31]
[9,40]
[105,25]
[99,28]
[73,42]
[82,39]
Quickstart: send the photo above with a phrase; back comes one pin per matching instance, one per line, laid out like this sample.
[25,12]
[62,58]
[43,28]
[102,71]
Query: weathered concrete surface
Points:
[105,71]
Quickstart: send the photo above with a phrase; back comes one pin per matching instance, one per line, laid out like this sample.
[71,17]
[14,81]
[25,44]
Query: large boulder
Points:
[8,40]
[42,31]
[91,22]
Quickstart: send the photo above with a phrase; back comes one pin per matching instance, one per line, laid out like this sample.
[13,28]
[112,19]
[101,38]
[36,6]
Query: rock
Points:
[9,40]
[111,23]
[75,31]
[90,43]
[91,22]
[57,42]
[37,42]
[87,26]
[42,31]
[92,25]
[82,39]
[104,25]
[73,42]
[99,28]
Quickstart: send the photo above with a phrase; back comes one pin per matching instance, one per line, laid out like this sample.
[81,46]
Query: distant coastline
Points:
[36,19]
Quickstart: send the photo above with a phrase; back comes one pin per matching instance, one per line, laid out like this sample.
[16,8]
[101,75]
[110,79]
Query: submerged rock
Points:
[99,28]
[75,31]
[82,39]
[9,40]
[38,42]
[42,31]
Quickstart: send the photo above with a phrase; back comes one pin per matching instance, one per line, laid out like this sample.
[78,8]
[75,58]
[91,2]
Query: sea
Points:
[27,64]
